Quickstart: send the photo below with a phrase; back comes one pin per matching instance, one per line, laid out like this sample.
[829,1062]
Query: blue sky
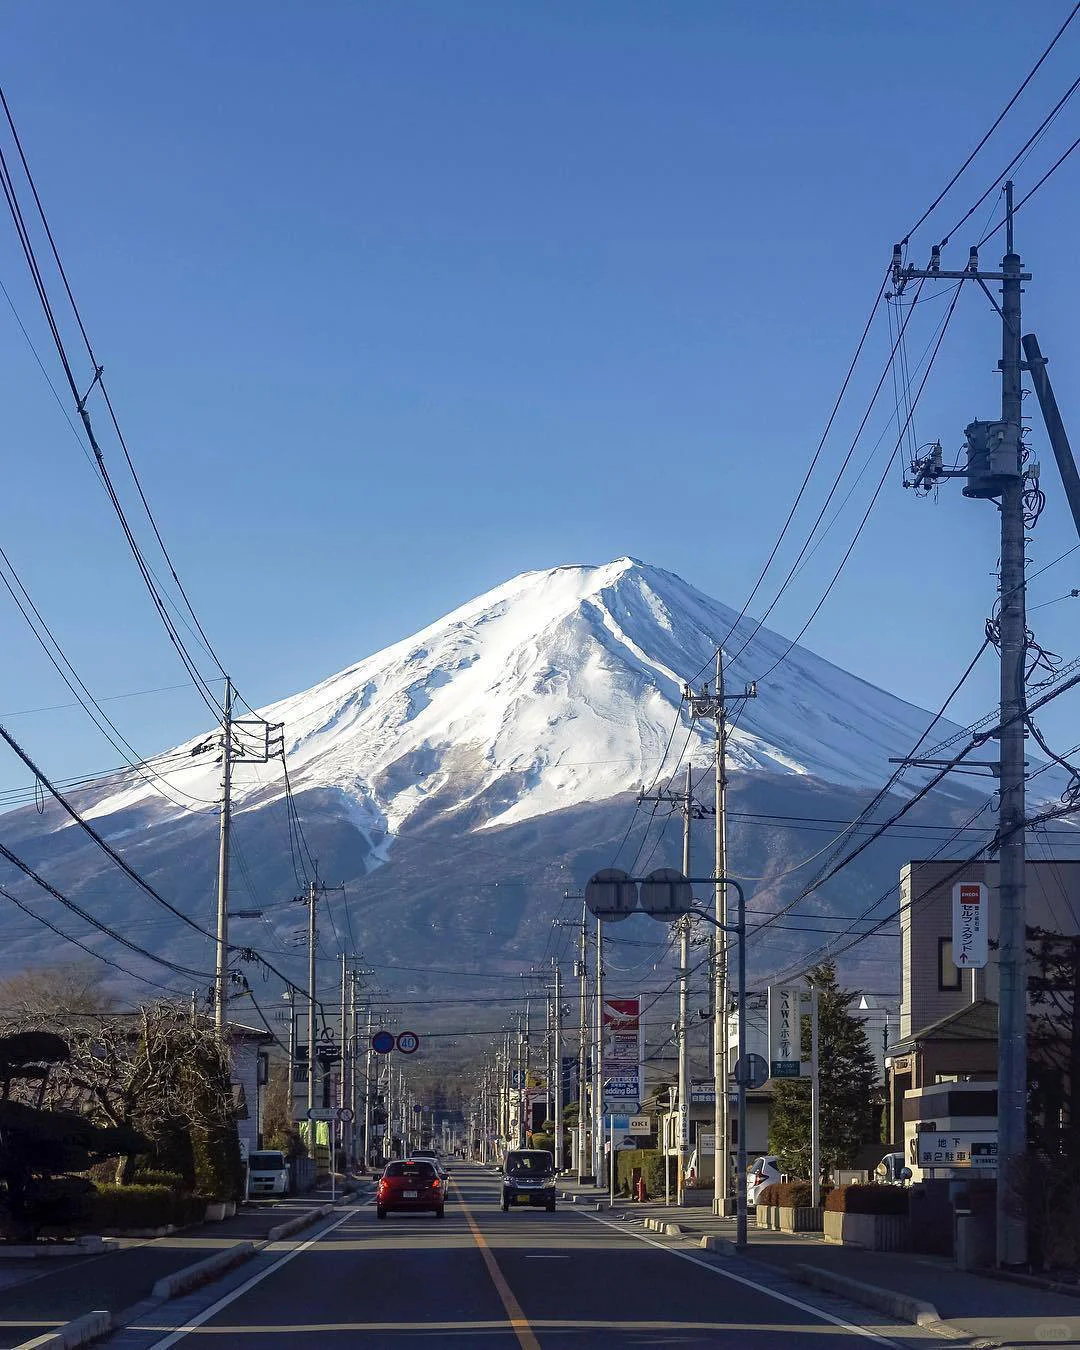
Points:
[396,301]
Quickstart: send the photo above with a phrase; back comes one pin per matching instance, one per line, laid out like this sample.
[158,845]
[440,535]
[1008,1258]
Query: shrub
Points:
[651,1163]
[124,1207]
[868,1199]
[148,1176]
[790,1194]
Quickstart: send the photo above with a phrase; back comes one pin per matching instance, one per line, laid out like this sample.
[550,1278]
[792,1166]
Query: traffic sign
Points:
[382,1042]
[752,1071]
[321,1113]
[666,894]
[610,895]
[408,1042]
[417,1108]
[345,1114]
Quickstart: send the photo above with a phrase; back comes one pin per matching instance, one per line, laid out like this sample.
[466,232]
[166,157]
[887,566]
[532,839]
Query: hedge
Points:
[868,1199]
[148,1176]
[790,1194]
[124,1207]
[651,1163]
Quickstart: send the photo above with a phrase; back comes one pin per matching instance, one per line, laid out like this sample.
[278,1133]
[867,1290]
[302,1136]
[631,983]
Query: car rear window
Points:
[526,1163]
[421,1171]
[266,1162]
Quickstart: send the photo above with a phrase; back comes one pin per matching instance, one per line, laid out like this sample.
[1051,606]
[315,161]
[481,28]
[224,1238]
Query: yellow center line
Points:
[518,1321]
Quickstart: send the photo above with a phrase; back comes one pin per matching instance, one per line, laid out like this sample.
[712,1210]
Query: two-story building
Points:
[948,1016]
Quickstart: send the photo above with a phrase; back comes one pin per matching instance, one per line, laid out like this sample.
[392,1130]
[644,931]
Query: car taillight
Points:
[435,1183]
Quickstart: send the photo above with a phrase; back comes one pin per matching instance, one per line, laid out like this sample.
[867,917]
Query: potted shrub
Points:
[789,1206]
[874,1217]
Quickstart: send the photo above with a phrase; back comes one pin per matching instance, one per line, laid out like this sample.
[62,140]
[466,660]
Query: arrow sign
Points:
[970,924]
[382,1042]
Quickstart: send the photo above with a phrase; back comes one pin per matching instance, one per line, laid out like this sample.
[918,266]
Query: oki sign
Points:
[970,924]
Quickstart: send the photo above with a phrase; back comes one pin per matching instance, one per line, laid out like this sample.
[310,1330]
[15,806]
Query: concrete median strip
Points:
[901,1306]
[80,1332]
[190,1277]
[290,1226]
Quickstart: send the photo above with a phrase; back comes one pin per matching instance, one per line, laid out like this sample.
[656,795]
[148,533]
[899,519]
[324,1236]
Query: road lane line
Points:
[520,1323]
[195,1322]
[741,1279]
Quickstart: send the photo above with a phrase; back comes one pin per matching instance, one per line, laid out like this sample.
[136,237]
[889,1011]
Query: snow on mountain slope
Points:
[559,687]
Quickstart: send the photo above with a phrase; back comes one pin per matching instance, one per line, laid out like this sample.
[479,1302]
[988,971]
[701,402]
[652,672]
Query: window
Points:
[948,975]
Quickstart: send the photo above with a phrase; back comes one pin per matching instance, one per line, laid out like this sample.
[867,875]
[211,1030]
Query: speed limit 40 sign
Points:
[408,1042]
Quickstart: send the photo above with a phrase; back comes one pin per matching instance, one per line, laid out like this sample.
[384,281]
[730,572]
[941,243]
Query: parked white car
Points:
[762,1172]
[268,1173]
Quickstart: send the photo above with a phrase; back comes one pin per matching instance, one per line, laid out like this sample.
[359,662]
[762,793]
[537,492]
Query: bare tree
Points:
[75,987]
[156,1070]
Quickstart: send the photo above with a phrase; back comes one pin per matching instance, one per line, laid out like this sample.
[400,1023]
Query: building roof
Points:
[977,1021]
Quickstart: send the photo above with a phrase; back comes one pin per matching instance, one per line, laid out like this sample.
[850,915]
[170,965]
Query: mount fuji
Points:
[462,779]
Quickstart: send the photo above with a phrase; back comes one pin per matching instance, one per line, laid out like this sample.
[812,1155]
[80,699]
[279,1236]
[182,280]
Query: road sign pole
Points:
[611,1157]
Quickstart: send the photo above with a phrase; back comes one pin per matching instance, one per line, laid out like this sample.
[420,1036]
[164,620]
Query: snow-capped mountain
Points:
[462,780]
[558,688]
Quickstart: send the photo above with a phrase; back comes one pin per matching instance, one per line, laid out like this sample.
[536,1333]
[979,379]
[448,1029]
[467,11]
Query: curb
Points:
[901,1306]
[672,1230]
[710,1243]
[283,1230]
[190,1277]
[81,1331]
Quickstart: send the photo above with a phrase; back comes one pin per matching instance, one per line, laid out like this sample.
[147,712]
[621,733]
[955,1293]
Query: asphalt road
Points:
[515,1281]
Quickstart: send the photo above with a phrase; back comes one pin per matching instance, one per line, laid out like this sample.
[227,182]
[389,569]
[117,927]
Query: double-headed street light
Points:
[666,895]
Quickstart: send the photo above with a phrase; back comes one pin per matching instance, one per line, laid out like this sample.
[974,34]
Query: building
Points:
[948,1016]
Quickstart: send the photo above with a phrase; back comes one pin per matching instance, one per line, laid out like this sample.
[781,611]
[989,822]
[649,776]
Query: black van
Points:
[529,1175]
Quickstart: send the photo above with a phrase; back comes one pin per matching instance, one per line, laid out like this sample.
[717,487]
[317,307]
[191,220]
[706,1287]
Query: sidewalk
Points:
[38,1296]
[976,1306]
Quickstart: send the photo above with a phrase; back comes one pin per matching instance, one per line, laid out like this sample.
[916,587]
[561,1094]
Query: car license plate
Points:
[408,1195]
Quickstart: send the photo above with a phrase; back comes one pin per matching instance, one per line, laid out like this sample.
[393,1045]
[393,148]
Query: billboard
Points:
[623,1055]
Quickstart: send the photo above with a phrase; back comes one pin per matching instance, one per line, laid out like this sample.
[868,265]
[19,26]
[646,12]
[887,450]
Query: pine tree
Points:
[850,1095]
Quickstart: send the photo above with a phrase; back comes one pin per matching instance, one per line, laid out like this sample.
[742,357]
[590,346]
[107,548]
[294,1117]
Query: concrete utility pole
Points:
[558,1082]
[714,705]
[687,806]
[995,471]
[221,971]
[598,1059]
[684,983]
[290,994]
[368,1053]
[312,940]
[583,1048]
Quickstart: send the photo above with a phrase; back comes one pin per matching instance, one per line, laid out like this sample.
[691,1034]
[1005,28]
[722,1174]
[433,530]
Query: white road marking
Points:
[178,1335]
[741,1279]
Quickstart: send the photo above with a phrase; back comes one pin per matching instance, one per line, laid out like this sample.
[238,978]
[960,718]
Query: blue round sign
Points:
[382,1042]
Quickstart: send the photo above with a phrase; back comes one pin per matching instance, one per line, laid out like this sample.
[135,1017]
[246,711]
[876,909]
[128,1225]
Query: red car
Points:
[410,1185]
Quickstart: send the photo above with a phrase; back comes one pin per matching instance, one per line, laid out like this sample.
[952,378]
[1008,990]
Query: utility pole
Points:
[344,1091]
[583,1047]
[714,705]
[686,804]
[996,471]
[290,994]
[312,940]
[558,1081]
[598,1059]
[368,1053]
[221,971]
[684,980]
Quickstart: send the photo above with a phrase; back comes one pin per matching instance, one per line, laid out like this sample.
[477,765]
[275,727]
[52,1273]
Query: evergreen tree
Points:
[850,1095]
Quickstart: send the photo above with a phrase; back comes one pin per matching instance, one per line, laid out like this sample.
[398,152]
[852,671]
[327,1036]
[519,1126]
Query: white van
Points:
[268,1173]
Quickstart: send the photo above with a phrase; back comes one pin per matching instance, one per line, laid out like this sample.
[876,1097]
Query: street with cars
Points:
[482,1276]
